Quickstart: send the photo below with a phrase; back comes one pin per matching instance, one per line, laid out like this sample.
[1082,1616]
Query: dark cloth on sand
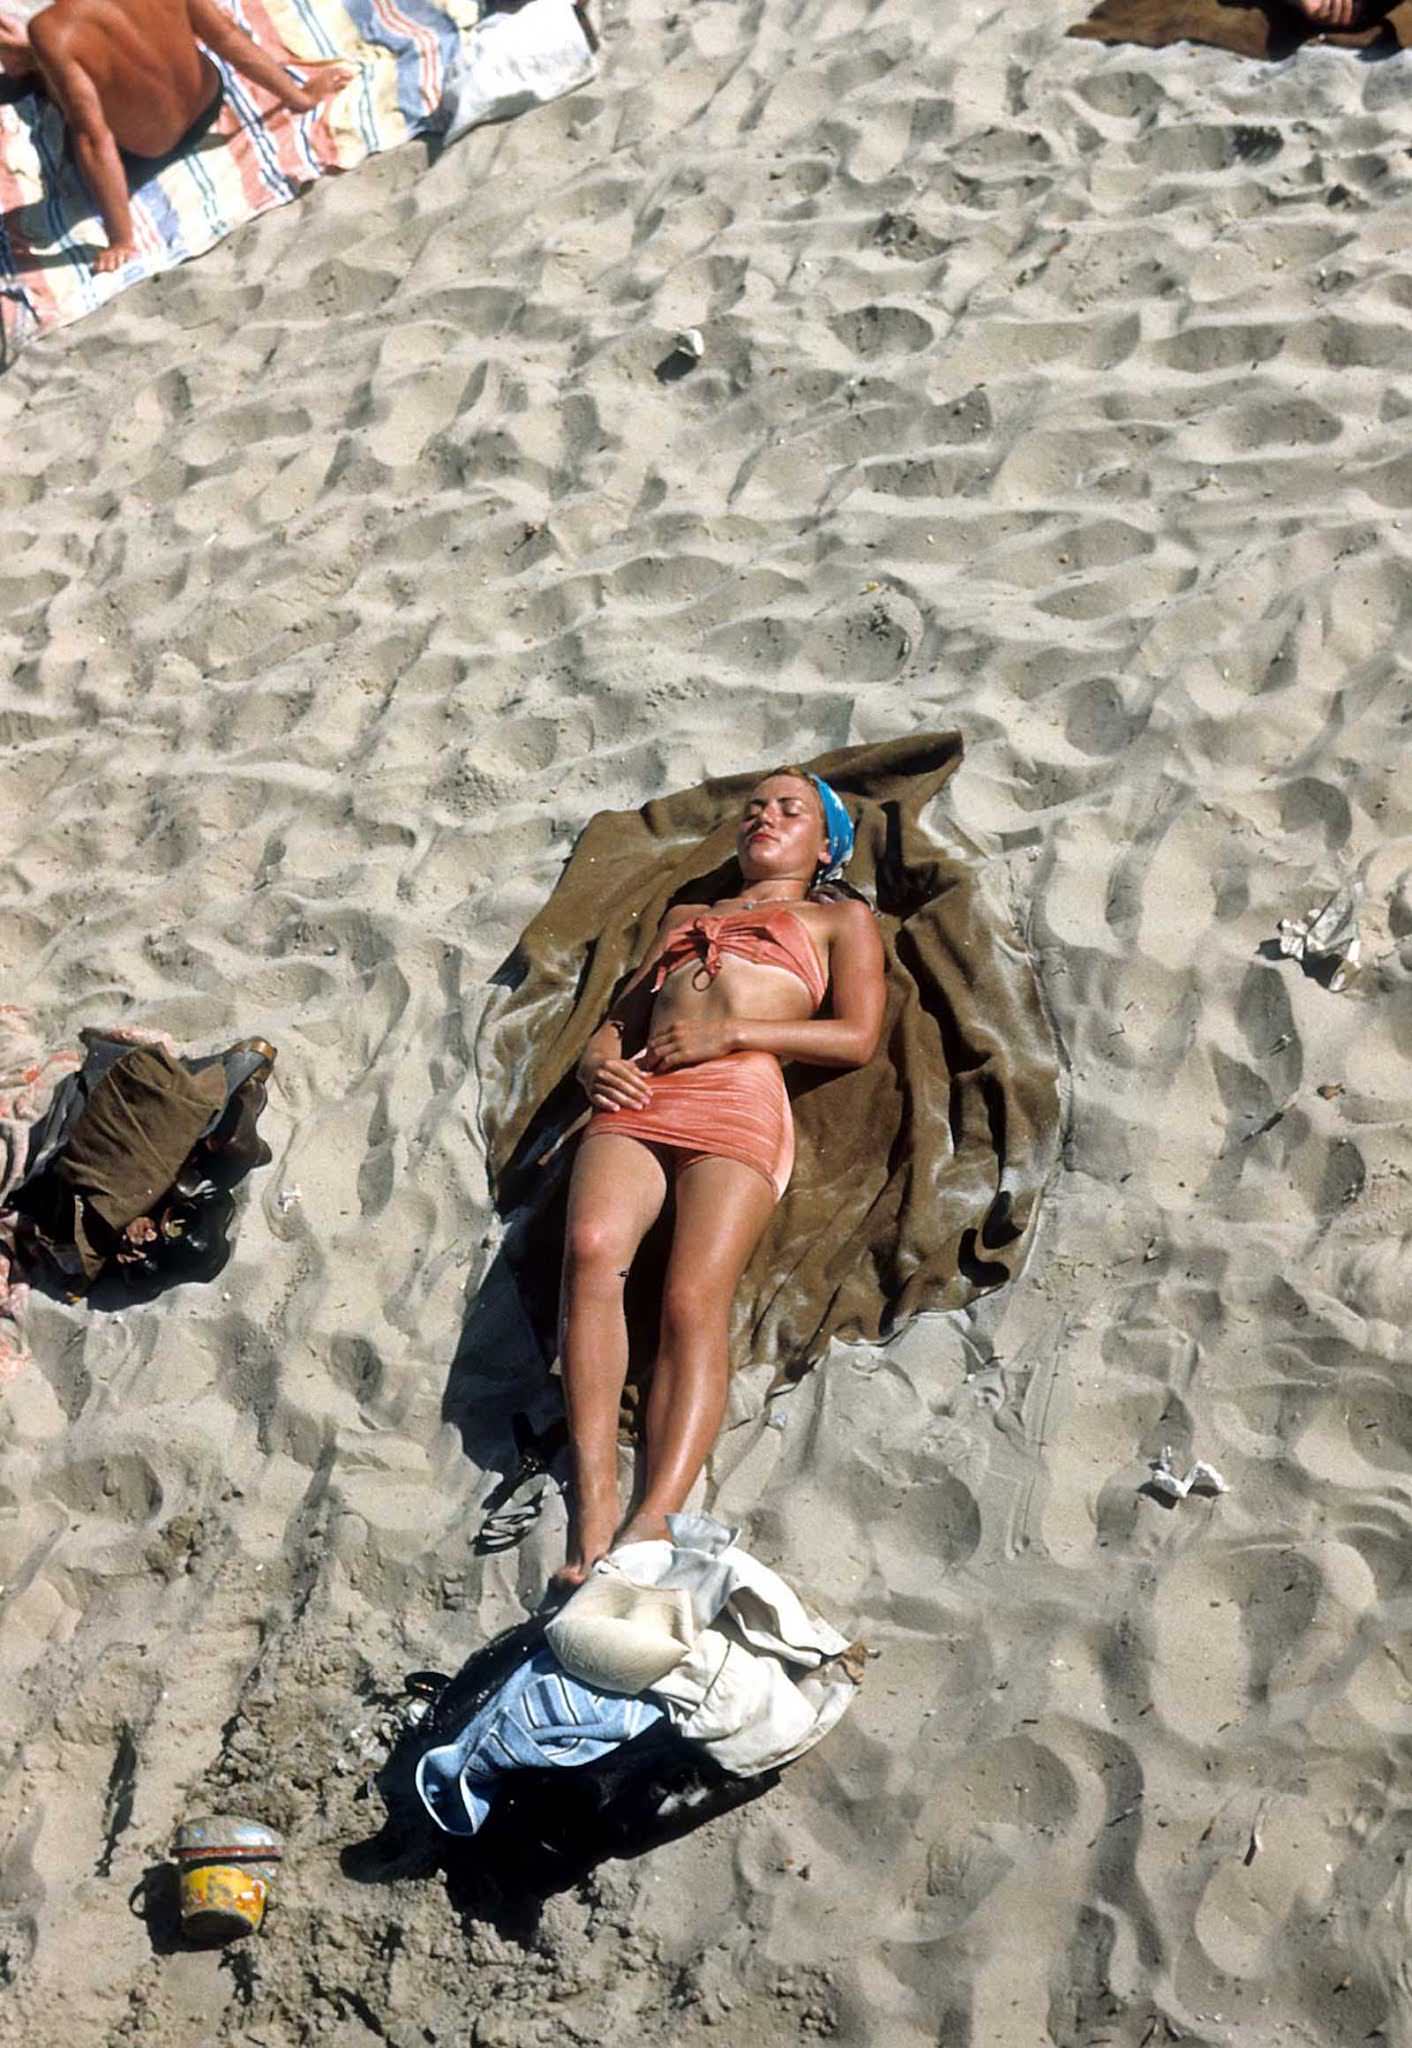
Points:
[917,1178]
[132,1139]
[115,1137]
[1247,30]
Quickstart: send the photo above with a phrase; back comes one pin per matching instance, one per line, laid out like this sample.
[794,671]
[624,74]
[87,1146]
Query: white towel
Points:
[764,1680]
[512,62]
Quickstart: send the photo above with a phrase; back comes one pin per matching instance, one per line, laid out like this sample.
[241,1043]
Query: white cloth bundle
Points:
[514,61]
[763,1680]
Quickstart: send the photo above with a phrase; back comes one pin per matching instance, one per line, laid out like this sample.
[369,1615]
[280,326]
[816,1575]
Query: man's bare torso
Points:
[142,60]
[133,83]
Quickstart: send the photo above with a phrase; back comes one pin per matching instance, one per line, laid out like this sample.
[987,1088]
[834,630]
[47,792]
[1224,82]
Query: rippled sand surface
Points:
[1057,393]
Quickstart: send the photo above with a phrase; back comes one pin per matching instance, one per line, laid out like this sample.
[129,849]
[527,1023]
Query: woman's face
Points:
[781,836]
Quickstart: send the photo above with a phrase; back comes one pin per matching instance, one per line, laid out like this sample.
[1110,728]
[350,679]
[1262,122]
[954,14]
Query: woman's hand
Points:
[688,1042]
[613,1083]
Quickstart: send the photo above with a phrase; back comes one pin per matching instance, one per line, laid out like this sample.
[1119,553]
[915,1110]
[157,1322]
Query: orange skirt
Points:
[736,1107]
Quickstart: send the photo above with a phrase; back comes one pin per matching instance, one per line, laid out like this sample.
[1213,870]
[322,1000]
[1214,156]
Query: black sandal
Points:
[506,1521]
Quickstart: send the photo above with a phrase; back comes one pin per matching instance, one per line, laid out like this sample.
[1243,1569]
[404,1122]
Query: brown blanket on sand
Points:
[1246,30]
[917,1178]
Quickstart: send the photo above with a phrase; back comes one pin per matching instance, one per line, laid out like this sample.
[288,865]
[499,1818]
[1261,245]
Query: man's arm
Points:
[211,25]
[95,152]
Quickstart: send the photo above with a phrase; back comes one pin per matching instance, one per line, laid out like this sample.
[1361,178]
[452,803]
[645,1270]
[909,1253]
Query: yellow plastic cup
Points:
[226,1866]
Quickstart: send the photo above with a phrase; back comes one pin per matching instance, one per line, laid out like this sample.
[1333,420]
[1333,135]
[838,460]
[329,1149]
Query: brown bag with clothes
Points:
[132,1140]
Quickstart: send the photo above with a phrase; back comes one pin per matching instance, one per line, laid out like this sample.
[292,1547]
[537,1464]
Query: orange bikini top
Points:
[774,937]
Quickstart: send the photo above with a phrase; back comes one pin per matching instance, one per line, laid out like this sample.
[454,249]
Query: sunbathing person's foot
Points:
[1336,14]
[643,1527]
[595,1516]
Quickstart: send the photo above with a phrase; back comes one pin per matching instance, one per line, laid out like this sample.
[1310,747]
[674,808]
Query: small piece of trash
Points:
[1276,1116]
[1199,1477]
[1328,935]
[776,1419]
[288,1198]
[691,342]
[988,1387]
[1330,1090]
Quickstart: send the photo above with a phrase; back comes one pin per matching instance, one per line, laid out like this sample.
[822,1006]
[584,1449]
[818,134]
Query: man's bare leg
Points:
[722,1210]
[616,1195]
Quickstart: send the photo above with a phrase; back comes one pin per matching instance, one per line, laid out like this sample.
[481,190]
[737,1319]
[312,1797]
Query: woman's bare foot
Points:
[643,1527]
[595,1516]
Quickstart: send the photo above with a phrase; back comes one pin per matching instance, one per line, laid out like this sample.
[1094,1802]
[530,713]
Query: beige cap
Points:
[619,1636]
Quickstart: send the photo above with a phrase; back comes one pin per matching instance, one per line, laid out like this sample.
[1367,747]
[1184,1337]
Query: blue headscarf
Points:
[839,827]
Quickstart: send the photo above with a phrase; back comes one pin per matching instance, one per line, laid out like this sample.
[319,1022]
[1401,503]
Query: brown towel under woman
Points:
[917,1177]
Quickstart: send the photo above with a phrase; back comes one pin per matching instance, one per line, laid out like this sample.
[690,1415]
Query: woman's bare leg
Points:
[722,1209]
[615,1196]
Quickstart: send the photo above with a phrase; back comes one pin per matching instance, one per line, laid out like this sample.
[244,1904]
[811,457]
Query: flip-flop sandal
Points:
[507,1522]
[509,1525]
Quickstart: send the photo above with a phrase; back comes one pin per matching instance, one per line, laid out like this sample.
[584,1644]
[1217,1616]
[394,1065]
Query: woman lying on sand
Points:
[698,1105]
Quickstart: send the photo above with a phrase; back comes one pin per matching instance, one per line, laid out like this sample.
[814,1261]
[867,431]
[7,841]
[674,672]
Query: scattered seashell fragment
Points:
[1199,1477]
[1327,938]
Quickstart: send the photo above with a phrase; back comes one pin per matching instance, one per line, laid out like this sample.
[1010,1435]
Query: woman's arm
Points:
[848,1038]
[609,1080]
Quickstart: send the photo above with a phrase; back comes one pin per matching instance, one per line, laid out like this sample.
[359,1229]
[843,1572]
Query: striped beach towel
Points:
[257,156]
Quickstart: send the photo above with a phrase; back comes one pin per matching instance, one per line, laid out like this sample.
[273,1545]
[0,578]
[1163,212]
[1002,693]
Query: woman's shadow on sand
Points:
[547,1829]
